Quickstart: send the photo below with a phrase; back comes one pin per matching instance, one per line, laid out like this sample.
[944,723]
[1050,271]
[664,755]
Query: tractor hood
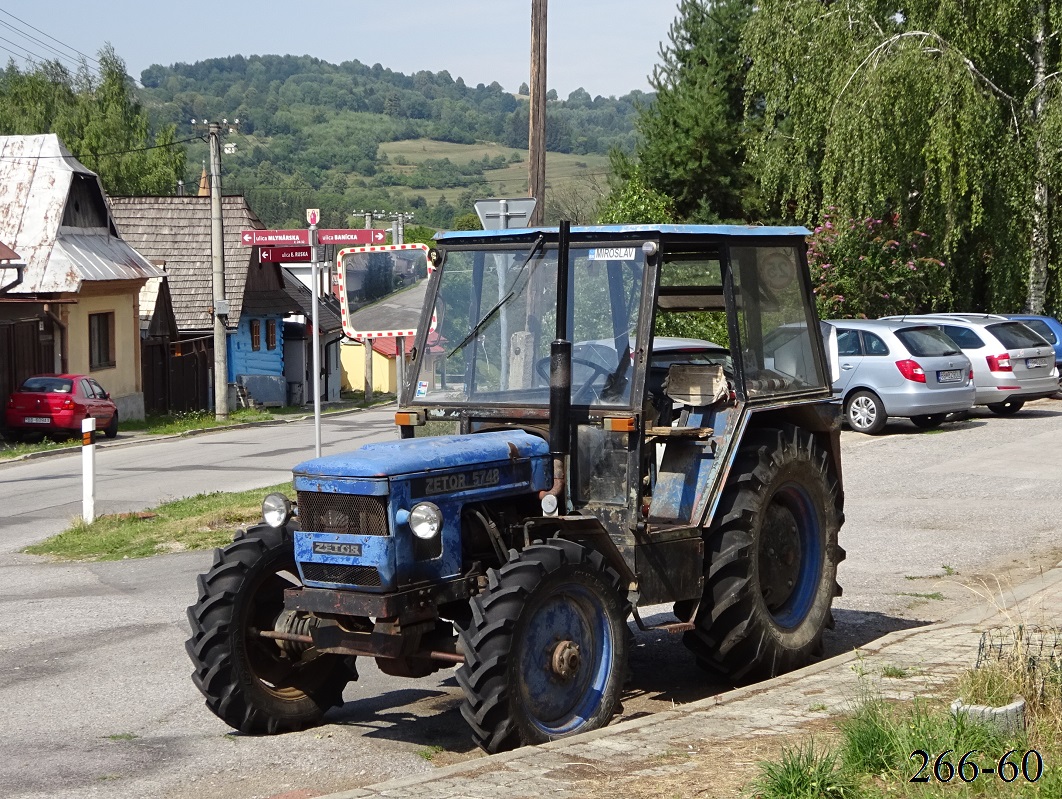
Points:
[417,455]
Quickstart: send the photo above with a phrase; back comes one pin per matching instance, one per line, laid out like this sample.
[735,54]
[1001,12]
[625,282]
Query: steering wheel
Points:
[542,367]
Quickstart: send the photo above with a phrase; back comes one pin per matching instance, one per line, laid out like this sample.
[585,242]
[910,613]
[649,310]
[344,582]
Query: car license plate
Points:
[949,376]
[37,420]
[1035,363]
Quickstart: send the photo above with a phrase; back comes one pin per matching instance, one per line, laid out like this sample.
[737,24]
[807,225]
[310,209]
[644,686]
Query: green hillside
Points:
[348,137]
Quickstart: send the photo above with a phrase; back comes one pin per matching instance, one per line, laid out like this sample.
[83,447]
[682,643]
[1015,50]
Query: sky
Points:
[608,47]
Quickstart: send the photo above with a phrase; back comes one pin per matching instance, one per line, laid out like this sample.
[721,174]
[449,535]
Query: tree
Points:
[633,201]
[944,113]
[691,144]
[98,119]
[579,201]
[466,222]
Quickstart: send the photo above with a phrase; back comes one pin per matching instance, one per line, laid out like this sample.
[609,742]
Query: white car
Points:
[1012,363]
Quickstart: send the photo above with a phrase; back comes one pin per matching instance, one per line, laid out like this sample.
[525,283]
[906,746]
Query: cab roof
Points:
[628,231]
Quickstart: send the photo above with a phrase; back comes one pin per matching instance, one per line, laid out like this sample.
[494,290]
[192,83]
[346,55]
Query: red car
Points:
[55,405]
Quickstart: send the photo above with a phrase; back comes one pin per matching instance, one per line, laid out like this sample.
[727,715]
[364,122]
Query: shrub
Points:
[873,268]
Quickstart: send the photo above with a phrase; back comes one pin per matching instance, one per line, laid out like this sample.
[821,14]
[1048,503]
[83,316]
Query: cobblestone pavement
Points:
[639,757]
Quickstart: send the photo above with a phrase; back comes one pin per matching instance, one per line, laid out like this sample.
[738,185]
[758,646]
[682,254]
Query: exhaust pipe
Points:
[560,385]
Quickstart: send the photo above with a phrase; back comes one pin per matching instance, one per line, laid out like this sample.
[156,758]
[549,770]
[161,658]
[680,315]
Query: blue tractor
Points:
[564,458]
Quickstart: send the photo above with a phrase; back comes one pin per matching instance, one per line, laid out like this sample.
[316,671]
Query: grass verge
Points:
[204,521]
[884,745]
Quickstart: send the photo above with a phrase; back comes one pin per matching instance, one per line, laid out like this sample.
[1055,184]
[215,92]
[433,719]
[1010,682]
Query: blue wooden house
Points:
[174,232]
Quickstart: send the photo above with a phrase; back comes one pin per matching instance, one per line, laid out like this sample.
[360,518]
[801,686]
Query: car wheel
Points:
[865,413]
[1008,408]
[929,420]
[111,430]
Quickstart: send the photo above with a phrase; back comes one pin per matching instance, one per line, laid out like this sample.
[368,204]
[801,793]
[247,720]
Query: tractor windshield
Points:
[495,316]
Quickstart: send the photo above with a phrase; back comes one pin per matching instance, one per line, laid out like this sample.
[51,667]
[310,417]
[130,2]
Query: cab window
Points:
[776,320]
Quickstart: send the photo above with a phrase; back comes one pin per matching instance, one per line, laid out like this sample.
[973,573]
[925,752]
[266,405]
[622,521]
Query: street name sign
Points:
[272,238]
[278,255]
[362,236]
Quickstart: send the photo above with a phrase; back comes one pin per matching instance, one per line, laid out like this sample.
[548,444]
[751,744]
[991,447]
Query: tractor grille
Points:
[346,514]
[340,573]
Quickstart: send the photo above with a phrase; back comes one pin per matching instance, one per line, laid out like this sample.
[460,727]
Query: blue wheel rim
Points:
[569,615]
[802,542]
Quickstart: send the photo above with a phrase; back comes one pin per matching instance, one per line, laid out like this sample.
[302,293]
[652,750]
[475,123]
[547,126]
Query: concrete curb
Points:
[968,619]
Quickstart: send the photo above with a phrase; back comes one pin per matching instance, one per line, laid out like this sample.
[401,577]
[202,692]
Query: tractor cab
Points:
[673,330]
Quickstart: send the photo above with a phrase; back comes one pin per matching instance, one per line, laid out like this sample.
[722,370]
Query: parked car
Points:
[896,368]
[1048,327]
[1012,363]
[55,405]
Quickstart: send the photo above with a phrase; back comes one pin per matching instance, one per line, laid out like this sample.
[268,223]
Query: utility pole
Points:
[398,226]
[369,215]
[536,139]
[217,257]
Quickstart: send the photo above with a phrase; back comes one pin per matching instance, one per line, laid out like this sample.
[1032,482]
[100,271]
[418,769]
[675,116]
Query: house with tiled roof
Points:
[175,231]
[74,305]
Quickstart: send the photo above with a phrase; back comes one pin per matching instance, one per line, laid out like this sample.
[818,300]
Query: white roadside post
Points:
[88,468]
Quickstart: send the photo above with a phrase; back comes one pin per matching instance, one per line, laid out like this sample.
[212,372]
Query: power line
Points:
[58,54]
[25,50]
[100,155]
[86,58]
[42,33]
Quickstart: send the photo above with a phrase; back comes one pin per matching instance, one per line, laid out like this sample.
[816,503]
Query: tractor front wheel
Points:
[253,683]
[546,651]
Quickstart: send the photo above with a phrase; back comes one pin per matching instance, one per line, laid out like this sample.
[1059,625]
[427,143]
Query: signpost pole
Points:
[316,338]
[503,264]
[368,368]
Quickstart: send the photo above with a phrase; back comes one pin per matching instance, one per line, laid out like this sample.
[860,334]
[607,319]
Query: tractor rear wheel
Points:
[256,684]
[771,559]
[546,651]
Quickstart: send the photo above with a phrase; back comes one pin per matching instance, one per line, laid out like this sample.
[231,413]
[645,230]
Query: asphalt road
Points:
[95,684]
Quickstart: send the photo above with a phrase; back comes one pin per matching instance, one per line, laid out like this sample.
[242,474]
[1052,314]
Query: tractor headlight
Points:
[276,510]
[425,520]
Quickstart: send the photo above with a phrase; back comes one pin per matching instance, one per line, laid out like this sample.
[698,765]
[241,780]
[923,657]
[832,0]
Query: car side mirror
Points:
[106,395]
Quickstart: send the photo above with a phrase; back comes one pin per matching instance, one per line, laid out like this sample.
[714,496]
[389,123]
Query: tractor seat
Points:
[693,386]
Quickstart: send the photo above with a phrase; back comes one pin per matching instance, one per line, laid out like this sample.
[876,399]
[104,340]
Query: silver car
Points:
[1012,363]
[886,368]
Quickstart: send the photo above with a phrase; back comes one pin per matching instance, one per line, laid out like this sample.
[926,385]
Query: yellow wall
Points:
[384,369]
[123,380]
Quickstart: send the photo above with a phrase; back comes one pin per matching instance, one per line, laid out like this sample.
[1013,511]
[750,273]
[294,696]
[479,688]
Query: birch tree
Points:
[946,112]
